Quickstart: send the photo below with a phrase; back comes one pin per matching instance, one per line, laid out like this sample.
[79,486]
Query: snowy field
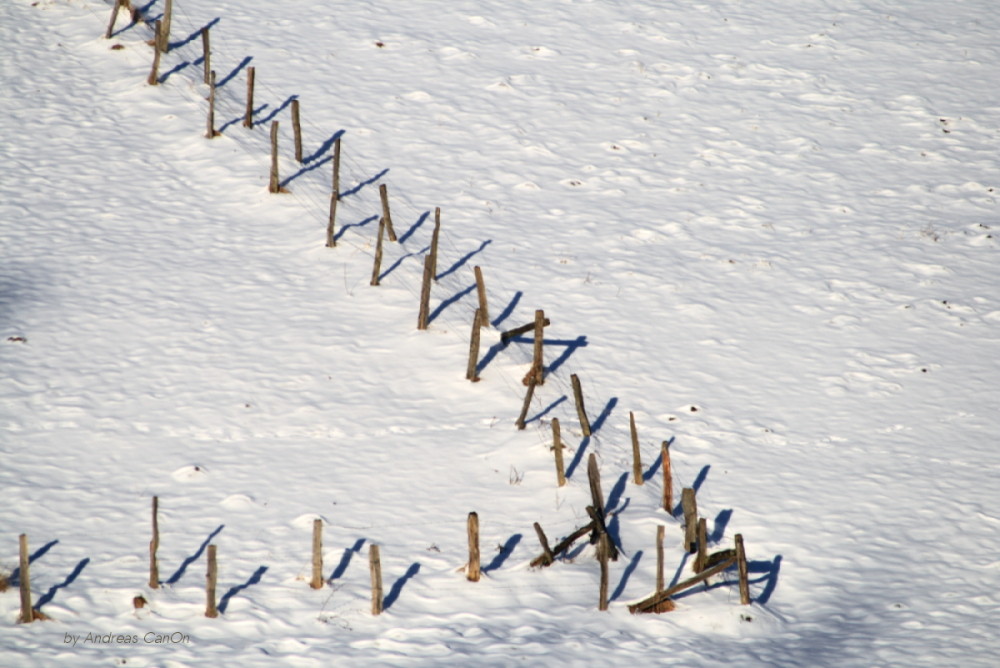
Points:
[767,229]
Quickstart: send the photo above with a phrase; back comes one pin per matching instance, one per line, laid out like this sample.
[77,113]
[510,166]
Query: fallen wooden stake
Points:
[636,455]
[651,603]
[317,555]
[581,411]
[154,545]
[547,557]
[211,578]
[518,331]
[473,528]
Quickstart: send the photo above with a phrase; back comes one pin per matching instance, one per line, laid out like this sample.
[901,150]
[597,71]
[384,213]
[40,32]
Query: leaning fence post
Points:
[154,74]
[594,478]
[154,545]
[211,578]
[317,555]
[581,411]
[471,371]
[248,112]
[114,15]
[375,566]
[434,242]
[473,528]
[527,402]
[741,565]
[557,446]
[383,192]
[636,455]
[27,615]
[481,292]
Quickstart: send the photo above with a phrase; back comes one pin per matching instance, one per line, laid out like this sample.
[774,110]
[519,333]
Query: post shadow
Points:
[305,169]
[15,577]
[280,108]
[578,457]
[719,528]
[179,67]
[680,569]
[343,228]
[254,579]
[465,258]
[356,189]
[448,302]
[702,474]
[400,261]
[503,553]
[626,574]
[345,560]
[195,35]
[770,569]
[614,528]
[236,70]
[547,410]
[194,557]
[616,493]
[51,593]
[508,309]
[239,119]
[603,417]
[324,147]
[488,357]
[570,347]
[413,228]
[397,586]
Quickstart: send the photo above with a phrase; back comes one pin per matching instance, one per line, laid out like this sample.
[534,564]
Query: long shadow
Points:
[616,493]
[547,410]
[366,221]
[195,35]
[506,312]
[503,553]
[346,559]
[449,301]
[614,526]
[603,417]
[280,108]
[770,568]
[324,147]
[654,468]
[15,577]
[570,348]
[194,557]
[356,189]
[303,170]
[236,70]
[700,480]
[413,228]
[397,586]
[680,569]
[488,357]
[239,119]
[400,261]
[465,258]
[719,528]
[254,579]
[626,574]
[578,457]
[179,67]
[51,593]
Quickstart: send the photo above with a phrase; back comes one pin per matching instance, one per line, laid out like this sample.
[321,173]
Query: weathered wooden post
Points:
[154,74]
[317,555]
[211,579]
[660,532]
[557,446]
[690,506]
[274,184]
[537,371]
[636,455]
[297,130]
[377,266]
[701,559]
[206,54]
[603,550]
[472,371]
[114,15]
[581,411]
[594,479]
[741,566]
[425,293]
[547,556]
[27,613]
[481,292]
[154,545]
[331,222]
[336,166]
[163,39]
[668,481]
[375,567]
[210,122]
[383,192]
[527,403]
[248,111]
[434,242]
[473,529]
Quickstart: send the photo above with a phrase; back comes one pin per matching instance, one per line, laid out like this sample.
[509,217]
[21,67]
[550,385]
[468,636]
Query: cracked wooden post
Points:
[537,371]
[154,545]
[206,54]
[481,292]
[636,455]
[154,74]
[24,576]
[668,481]
[383,192]
[317,555]
[741,565]
[581,411]
[557,446]
[114,16]
[297,130]
[473,529]
[701,559]
[690,506]
[274,185]
[375,567]
[377,266]
[434,242]
[248,111]
[211,132]
[660,532]
[472,371]
[527,403]
[211,579]
[163,39]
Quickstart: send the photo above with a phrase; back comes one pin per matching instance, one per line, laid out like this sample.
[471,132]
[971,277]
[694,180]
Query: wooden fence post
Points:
[383,192]
[557,446]
[211,579]
[114,15]
[375,566]
[163,39]
[472,372]
[636,455]
[537,371]
[210,122]
[274,185]
[154,545]
[206,54]
[331,222]
[377,266]
[434,242]
[248,111]
[701,559]
[690,507]
[660,532]
[603,550]
[336,166]
[668,480]
[297,130]
[473,527]
[317,555]
[27,613]
[581,411]
[481,291]
[425,293]
[741,565]
[547,556]
[154,74]
[527,403]
[594,478]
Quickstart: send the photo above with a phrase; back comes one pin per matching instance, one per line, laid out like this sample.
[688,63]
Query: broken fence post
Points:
[636,455]
[547,557]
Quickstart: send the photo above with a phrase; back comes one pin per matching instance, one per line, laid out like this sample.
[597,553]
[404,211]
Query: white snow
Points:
[768,229]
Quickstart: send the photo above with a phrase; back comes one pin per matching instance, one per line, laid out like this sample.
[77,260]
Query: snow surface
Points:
[768,229]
